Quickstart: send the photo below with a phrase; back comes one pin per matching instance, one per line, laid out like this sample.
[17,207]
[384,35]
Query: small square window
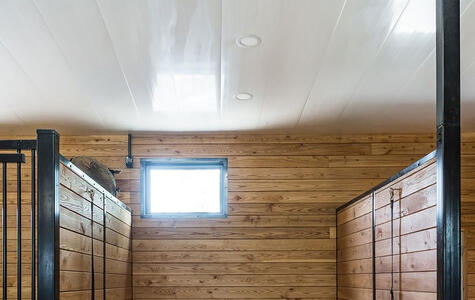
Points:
[187,187]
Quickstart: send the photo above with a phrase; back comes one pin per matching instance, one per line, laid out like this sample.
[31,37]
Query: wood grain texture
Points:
[283,187]
[414,235]
[84,267]
[354,244]
[283,191]
[282,198]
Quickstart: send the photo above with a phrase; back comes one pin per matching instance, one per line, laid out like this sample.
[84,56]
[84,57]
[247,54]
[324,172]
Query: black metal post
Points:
[373,242]
[18,225]
[104,249]
[4,230]
[129,160]
[448,150]
[48,209]
[33,224]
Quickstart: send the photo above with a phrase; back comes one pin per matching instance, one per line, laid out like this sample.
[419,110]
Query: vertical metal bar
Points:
[48,209]
[373,241]
[337,257]
[18,226]
[448,149]
[104,246]
[93,278]
[33,224]
[129,160]
[4,230]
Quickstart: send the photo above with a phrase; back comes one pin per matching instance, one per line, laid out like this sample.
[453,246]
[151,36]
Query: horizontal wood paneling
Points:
[354,244]
[283,192]
[282,187]
[84,268]
[414,240]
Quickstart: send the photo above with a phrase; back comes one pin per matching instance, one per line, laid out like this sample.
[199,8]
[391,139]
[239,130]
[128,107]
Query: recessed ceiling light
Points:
[248,41]
[243,96]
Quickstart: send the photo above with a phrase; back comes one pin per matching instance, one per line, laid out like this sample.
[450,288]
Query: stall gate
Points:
[63,235]
[401,212]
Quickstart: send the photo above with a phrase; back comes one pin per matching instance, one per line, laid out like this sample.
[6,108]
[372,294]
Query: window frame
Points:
[183,163]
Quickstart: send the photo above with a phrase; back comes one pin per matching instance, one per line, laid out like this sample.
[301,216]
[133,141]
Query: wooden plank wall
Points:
[283,187]
[279,239]
[468,219]
[355,250]
[414,236]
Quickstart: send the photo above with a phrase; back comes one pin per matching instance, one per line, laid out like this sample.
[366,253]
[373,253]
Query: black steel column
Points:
[18,226]
[48,210]
[448,150]
[4,230]
[33,224]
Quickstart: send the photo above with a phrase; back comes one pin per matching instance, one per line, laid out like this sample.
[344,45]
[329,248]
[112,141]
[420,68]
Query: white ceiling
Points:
[324,65]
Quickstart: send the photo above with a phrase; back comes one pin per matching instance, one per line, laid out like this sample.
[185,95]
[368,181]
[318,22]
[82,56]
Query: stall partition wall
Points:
[409,269]
[82,235]
[414,222]
[92,223]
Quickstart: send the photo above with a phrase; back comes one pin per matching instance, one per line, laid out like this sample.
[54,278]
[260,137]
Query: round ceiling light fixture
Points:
[248,41]
[243,96]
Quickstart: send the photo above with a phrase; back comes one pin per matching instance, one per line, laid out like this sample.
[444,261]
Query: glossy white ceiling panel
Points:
[378,96]
[281,71]
[174,65]
[468,67]
[362,31]
[47,86]
[78,29]
[170,52]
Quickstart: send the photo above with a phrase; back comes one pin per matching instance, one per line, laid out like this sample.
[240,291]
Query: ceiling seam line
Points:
[17,62]
[134,102]
[64,56]
[430,53]
[378,52]
[221,71]
[309,94]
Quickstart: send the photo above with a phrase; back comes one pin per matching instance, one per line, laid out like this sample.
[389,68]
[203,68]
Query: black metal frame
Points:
[448,149]
[18,159]
[146,164]
[48,210]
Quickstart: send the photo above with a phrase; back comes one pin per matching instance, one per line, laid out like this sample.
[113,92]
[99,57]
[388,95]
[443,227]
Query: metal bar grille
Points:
[4,230]
[17,159]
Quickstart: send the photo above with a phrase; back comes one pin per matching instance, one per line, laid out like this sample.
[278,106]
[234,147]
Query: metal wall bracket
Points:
[129,160]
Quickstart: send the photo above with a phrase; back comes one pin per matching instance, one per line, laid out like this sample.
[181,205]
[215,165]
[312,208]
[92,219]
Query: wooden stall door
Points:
[414,263]
[354,242]
[85,209]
